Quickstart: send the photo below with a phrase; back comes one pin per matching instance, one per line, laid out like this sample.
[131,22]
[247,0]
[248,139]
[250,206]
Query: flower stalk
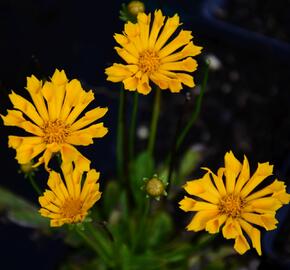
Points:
[34,184]
[120,136]
[133,126]
[154,122]
[196,111]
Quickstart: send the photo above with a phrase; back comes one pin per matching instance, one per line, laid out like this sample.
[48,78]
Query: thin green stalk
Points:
[196,111]
[34,184]
[94,246]
[154,121]
[133,126]
[120,136]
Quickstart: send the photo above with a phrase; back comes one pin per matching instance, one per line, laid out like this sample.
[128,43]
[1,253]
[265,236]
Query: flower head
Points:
[155,187]
[152,54]
[69,201]
[233,200]
[53,121]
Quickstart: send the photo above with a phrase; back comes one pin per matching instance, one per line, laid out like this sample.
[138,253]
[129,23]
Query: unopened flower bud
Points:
[135,7]
[27,168]
[155,187]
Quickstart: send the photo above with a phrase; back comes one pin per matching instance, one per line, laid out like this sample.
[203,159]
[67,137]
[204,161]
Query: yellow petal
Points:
[188,50]
[59,77]
[89,117]
[187,204]
[85,136]
[241,244]
[26,107]
[71,154]
[131,83]
[185,79]
[127,56]
[244,175]
[168,29]
[218,181]
[143,86]
[232,169]
[200,219]
[203,188]
[34,87]
[213,225]
[175,86]
[182,39]
[119,72]
[254,235]
[263,171]
[267,221]
[231,229]
[263,205]
[189,64]
[144,24]
[86,99]
[157,24]
[91,179]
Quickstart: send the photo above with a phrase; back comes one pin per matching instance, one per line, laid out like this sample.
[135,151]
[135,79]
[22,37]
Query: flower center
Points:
[71,208]
[55,131]
[148,61]
[231,205]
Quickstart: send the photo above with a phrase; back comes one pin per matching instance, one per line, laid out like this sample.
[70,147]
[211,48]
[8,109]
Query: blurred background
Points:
[245,108]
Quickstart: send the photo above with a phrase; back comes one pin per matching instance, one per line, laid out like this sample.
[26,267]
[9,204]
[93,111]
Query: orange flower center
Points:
[231,205]
[148,61]
[55,131]
[71,208]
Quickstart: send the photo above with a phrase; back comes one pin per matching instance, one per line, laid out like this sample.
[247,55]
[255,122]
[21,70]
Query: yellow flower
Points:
[69,201]
[53,121]
[149,54]
[233,199]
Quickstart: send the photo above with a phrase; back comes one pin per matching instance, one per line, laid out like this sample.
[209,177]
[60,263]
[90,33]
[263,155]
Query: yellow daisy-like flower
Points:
[69,201]
[151,54]
[231,199]
[53,120]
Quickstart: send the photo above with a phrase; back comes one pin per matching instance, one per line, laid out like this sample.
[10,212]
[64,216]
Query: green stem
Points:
[154,121]
[120,136]
[133,126]
[196,111]
[94,246]
[34,184]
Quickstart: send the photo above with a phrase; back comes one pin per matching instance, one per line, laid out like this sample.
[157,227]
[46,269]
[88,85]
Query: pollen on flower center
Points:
[55,131]
[148,61]
[231,205]
[71,208]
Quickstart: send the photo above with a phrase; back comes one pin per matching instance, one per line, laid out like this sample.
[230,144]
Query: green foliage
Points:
[20,211]
[142,168]
[159,229]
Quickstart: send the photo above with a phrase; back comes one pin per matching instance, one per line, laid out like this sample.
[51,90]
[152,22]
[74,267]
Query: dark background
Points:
[245,108]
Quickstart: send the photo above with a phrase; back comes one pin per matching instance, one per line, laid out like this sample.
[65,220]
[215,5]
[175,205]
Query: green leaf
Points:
[20,211]
[160,229]
[141,168]
[111,197]
[187,164]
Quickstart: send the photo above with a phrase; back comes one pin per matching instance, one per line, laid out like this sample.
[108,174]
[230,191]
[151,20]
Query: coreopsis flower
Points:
[53,121]
[69,200]
[234,200]
[152,54]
